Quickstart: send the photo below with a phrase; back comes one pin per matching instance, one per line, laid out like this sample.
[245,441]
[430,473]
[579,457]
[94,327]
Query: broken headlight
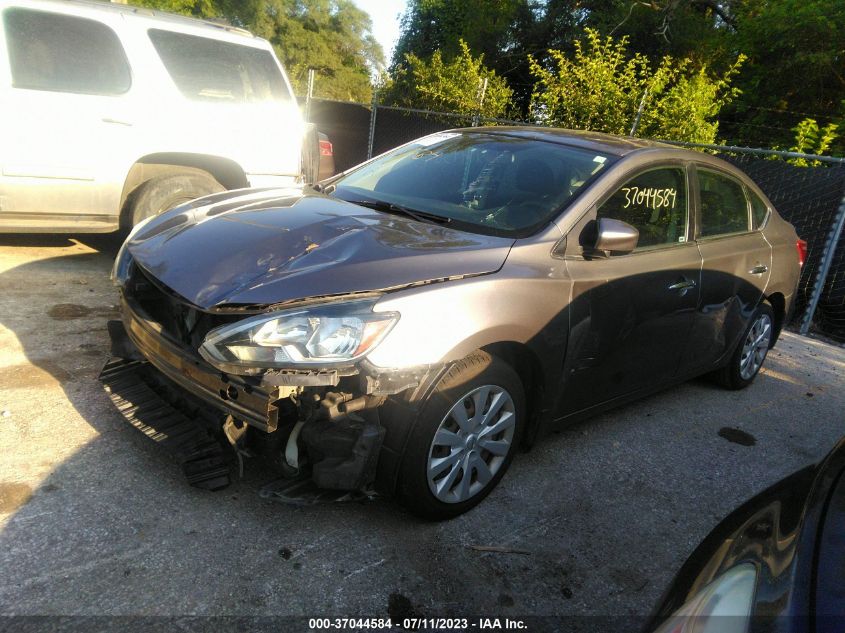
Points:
[319,335]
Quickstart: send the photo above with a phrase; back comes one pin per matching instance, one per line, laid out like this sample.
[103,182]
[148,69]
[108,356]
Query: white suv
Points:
[111,113]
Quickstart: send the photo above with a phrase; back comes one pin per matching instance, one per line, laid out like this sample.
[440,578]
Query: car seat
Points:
[532,190]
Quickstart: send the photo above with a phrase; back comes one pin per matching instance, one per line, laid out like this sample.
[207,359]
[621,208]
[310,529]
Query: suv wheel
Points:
[162,193]
[465,438]
[747,359]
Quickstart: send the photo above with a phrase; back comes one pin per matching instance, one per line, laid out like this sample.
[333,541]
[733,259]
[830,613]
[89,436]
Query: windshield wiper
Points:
[389,207]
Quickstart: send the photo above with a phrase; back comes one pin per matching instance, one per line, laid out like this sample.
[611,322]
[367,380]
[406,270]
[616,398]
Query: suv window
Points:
[655,203]
[210,70]
[759,210]
[63,53]
[724,207]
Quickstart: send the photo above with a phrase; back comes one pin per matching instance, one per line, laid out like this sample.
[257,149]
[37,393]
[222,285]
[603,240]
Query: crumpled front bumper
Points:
[350,444]
[242,397]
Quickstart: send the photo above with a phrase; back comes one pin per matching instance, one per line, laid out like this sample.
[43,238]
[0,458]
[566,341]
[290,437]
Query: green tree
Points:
[439,25]
[811,139]
[796,68]
[504,31]
[795,50]
[453,86]
[701,30]
[195,8]
[333,36]
[601,87]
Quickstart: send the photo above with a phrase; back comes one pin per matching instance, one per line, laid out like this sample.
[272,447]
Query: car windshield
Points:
[479,181]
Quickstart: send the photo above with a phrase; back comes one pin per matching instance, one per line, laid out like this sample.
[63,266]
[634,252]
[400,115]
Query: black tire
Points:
[162,193]
[731,375]
[471,375]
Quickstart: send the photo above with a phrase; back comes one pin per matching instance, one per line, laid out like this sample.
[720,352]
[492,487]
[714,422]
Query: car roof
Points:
[92,7]
[594,141]
[609,144]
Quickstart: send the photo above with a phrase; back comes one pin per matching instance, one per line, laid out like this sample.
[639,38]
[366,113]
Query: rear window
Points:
[724,208]
[204,69]
[63,53]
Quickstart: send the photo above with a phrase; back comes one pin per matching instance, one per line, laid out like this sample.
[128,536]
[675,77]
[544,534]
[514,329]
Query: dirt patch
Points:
[65,311]
[505,600]
[400,607]
[13,496]
[737,436]
[70,311]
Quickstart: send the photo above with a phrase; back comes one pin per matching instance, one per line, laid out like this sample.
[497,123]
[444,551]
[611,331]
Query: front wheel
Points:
[746,361]
[465,438]
[161,193]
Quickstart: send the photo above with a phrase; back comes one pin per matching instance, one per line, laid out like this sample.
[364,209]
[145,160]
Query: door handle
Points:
[686,284]
[759,269]
[116,121]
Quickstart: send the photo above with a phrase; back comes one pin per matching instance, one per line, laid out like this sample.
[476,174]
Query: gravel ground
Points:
[95,520]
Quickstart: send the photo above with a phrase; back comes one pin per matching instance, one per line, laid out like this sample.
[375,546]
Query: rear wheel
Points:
[465,438]
[746,361]
[161,193]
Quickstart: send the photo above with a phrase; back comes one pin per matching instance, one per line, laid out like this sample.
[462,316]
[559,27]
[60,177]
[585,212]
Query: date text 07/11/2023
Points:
[417,624]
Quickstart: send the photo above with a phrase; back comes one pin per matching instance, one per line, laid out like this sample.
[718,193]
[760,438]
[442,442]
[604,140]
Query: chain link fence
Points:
[360,131]
[811,198]
[393,126]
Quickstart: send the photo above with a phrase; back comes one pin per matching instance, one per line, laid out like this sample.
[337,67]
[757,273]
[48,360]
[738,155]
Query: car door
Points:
[66,91]
[631,314]
[736,267]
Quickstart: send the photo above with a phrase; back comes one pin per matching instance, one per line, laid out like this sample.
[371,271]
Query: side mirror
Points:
[615,236]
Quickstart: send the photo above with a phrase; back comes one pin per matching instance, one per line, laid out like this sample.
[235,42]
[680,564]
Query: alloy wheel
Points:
[756,347]
[471,444]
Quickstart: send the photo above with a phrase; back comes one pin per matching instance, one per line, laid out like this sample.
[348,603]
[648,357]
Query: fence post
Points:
[482,90]
[372,124]
[639,113]
[824,269]
[308,94]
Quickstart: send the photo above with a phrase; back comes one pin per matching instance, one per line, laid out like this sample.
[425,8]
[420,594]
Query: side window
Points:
[724,208]
[63,53]
[759,210]
[655,203]
[205,69]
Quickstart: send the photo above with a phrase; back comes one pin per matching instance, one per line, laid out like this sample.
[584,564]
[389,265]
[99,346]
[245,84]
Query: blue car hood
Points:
[260,247]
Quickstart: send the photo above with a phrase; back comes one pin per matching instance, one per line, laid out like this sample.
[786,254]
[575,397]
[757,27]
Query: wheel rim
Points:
[756,347]
[471,444]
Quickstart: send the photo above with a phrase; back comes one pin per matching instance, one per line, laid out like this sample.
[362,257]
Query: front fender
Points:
[445,322]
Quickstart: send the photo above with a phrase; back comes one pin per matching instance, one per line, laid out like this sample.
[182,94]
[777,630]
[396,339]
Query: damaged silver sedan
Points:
[406,326]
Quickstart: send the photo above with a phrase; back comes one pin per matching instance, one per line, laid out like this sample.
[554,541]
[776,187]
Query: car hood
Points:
[269,247]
